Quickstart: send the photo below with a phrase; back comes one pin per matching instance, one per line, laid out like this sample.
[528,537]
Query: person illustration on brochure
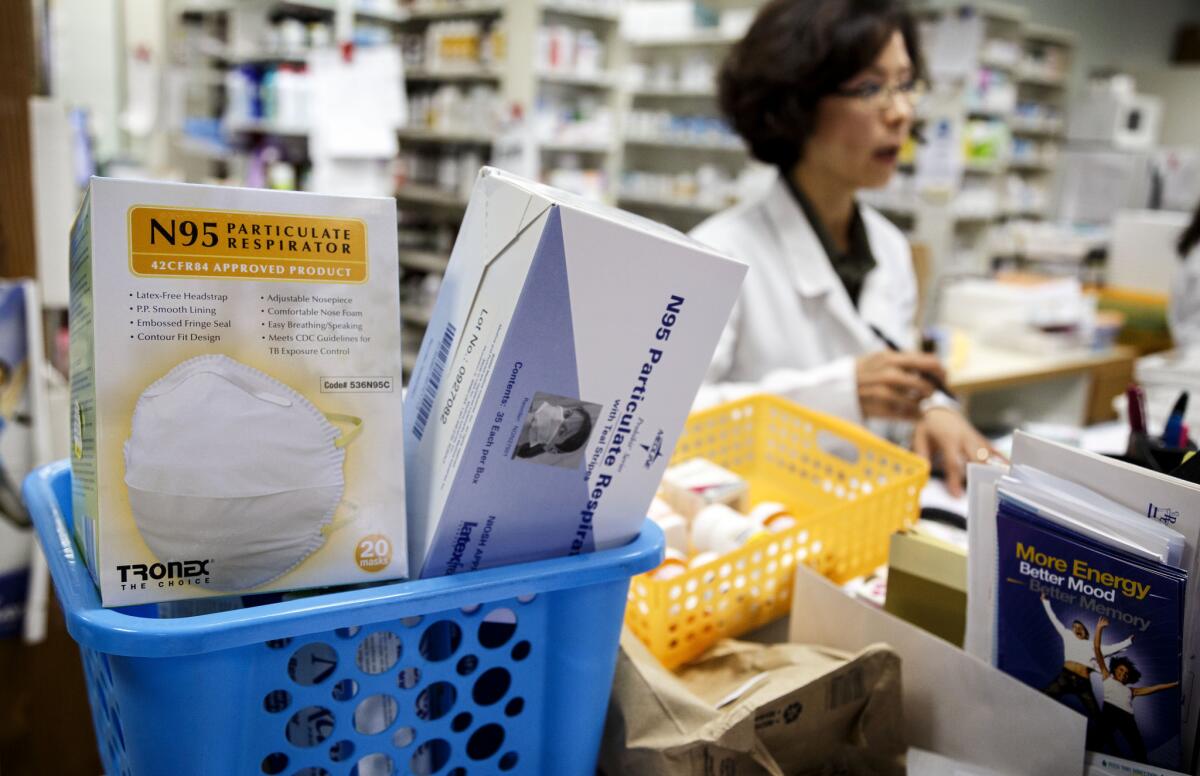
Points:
[1078,662]
[1117,717]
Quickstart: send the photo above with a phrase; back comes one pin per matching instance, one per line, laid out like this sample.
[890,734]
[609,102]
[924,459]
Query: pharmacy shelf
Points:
[233,59]
[414,315]
[1031,78]
[264,127]
[976,216]
[686,145]
[984,167]
[427,12]
[381,17]
[1043,33]
[267,60]
[987,113]
[192,76]
[894,206]
[203,149]
[423,261]
[1029,165]
[1026,212]
[1036,128]
[998,65]
[702,38]
[993,10]
[667,204]
[555,147]
[421,135]
[675,94]
[890,207]
[582,11]
[481,73]
[425,194]
[408,359]
[330,7]
[209,7]
[602,81]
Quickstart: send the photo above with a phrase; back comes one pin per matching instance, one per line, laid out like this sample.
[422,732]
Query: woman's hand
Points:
[892,385]
[944,435]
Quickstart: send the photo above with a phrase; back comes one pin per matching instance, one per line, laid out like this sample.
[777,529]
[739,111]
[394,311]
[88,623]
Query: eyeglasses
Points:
[879,96]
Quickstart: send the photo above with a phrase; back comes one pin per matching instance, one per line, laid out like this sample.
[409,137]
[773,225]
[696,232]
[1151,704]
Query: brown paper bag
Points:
[745,709]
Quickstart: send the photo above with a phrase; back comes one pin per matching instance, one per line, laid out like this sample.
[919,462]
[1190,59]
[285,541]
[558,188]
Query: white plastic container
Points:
[719,529]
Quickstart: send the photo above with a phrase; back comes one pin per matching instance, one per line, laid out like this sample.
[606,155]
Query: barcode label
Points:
[436,370]
[847,688]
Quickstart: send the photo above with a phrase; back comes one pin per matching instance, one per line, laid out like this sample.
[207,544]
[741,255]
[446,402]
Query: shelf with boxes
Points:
[415,192]
[559,99]
[249,124]
[464,137]
[1001,98]
[1041,100]
[431,10]
[575,98]
[423,260]
[549,113]
[668,202]
[425,238]
[681,161]
[454,56]
[1038,118]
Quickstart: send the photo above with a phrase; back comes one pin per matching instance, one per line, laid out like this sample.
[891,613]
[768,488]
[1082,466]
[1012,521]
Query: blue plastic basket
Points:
[504,670]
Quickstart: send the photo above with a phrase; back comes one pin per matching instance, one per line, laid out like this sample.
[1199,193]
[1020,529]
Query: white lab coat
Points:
[794,330]
[1183,310]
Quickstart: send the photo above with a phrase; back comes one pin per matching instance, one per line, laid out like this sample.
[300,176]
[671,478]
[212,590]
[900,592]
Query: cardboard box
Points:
[954,704]
[235,378]
[555,376]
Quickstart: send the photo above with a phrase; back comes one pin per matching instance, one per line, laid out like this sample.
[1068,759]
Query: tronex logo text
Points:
[175,573]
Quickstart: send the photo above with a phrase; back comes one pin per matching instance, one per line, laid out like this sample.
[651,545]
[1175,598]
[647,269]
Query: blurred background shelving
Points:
[617,100]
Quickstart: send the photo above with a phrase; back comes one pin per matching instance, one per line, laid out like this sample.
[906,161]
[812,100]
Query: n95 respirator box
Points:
[562,357]
[235,385]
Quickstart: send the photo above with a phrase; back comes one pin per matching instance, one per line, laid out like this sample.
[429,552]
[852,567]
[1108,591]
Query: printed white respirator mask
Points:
[544,423]
[225,462]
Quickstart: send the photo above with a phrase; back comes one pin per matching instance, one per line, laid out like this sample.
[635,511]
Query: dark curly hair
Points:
[795,53]
[1116,662]
[1190,237]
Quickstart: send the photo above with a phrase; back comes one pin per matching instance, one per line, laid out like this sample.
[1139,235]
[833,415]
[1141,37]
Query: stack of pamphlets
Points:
[1080,579]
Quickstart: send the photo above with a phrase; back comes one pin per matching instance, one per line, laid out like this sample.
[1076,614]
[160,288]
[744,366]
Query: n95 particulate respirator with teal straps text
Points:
[235,384]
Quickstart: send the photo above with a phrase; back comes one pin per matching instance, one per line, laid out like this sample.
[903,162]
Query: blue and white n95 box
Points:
[556,374]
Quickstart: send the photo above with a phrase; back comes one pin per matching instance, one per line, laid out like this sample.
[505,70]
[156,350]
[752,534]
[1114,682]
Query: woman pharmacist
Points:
[824,92]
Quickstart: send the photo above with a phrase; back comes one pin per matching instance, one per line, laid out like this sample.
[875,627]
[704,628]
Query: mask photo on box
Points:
[556,430]
[224,462]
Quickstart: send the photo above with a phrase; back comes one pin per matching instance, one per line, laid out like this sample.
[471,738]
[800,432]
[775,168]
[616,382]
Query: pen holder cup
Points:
[1168,458]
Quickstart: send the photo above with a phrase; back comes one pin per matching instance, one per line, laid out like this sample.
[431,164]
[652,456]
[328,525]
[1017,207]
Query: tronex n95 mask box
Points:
[562,357]
[235,384]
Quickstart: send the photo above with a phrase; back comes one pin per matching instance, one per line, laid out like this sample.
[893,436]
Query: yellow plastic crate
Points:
[849,490]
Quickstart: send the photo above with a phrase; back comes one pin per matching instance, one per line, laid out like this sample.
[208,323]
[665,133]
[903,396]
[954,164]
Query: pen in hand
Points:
[933,380]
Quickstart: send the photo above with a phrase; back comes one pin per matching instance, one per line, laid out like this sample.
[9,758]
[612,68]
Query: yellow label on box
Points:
[183,243]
